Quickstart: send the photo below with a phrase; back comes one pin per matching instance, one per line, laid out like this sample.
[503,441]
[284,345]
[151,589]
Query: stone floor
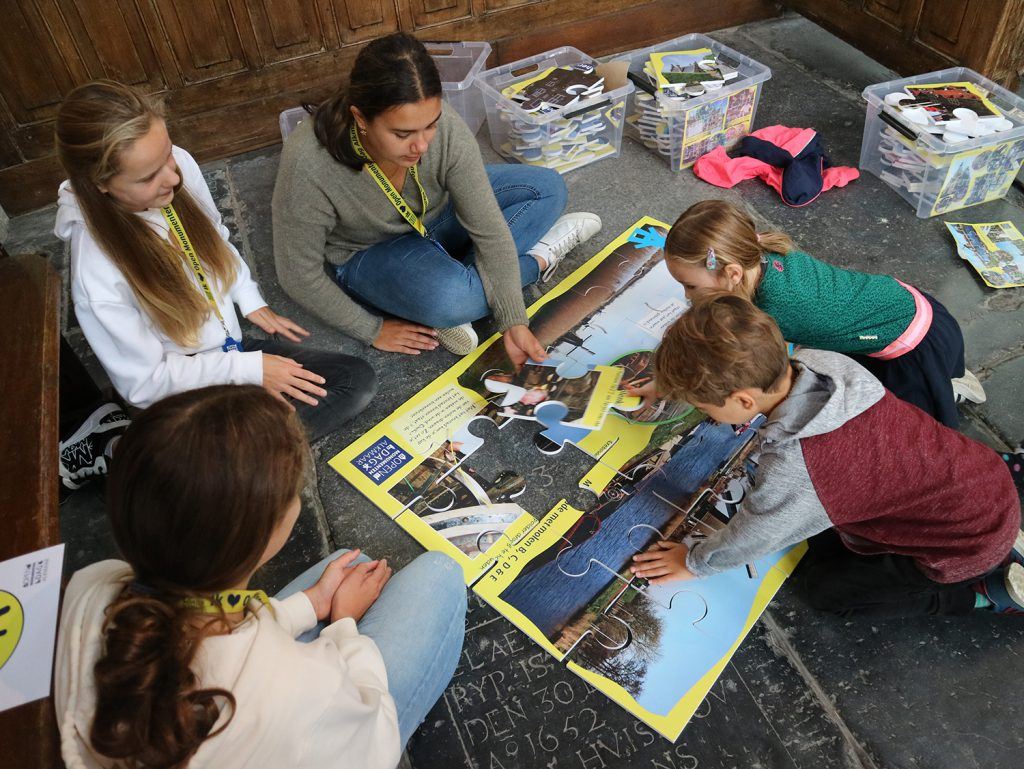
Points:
[805,689]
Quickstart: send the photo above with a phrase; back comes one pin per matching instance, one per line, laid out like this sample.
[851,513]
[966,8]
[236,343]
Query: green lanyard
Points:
[389,189]
[230,601]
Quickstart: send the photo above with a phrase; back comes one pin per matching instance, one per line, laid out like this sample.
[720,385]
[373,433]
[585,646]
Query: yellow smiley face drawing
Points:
[12,621]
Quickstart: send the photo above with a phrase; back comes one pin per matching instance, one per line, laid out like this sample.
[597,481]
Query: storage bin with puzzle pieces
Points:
[559,109]
[693,94]
[943,140]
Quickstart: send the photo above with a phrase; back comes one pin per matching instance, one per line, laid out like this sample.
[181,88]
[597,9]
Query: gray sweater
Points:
[323,210]
[783,507]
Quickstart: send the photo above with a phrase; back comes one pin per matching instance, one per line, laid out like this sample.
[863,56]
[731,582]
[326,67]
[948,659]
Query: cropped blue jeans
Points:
[418,624]
[408,277]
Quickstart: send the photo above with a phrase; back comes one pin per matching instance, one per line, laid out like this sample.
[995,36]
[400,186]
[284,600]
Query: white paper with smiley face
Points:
[29,594]
[12,621]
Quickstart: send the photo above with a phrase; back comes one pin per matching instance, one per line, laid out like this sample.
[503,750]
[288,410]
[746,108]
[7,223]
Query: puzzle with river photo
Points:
[467,465]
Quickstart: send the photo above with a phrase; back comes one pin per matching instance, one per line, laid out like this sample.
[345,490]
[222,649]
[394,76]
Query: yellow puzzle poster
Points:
[463,467]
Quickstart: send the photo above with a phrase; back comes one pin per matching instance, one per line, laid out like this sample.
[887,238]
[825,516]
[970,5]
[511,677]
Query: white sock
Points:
[542,253]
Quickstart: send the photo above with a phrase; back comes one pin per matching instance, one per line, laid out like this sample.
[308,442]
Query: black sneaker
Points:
[1004,588]
[85,454]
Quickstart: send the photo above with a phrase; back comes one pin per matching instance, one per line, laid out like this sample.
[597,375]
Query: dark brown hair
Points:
[722,344]
[96,123]
[199,482]
[389,72]
[730,231]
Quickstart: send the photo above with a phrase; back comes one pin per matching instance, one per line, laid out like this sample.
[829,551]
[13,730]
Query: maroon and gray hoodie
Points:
[841,451]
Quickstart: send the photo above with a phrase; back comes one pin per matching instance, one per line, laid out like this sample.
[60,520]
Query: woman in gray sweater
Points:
[386,189]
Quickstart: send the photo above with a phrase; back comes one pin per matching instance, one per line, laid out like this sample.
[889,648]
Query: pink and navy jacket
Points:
[843,452]
[790,160]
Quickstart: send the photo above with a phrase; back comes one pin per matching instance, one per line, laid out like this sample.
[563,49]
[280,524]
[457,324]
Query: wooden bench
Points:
[29,418]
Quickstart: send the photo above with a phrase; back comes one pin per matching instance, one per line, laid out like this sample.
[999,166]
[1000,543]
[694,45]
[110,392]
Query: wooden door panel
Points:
[36,76]
[203,39]
[501,5]
[359,20]
[892,12]
[427,12]
[286,29]
[943,25]
[112,39]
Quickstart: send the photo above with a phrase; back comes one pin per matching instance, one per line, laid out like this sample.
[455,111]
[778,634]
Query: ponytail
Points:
[730,231]
[149,709]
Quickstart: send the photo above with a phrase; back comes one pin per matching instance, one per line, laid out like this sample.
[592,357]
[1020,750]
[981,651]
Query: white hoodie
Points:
[143,363]
[299,706]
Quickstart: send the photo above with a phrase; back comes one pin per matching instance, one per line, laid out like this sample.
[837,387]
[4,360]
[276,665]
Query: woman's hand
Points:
[321,595]
[663,562]
[402,336]
[359,589]
[284,376]
[273,323]
[520,344]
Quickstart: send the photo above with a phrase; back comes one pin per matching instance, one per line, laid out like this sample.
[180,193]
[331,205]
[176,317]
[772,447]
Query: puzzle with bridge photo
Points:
[472,466]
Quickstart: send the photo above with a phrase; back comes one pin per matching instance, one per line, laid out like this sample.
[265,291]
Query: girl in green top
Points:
[905,337]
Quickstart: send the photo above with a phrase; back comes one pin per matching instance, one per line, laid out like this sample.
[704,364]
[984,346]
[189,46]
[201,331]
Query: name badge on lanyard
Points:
[178,230]
[394,195]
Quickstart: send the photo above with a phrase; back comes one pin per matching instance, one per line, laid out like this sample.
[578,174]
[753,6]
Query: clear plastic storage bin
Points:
[290,118]
[689,128]
[458,64]
[933,176]
[563,139]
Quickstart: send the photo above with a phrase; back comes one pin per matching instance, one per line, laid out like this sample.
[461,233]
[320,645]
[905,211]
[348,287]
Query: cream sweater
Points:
[322,704]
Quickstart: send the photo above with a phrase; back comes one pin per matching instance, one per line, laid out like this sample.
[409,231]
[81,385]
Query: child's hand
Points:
[643,388]
[359,589]
[323,591]
[664,562]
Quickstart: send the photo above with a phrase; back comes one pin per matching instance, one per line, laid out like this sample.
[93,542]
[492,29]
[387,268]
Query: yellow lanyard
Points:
[232,600]
[389,189]
[175,226]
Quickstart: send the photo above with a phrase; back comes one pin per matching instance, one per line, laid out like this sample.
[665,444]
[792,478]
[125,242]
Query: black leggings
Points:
[922,376]
[351,383]
[835,579]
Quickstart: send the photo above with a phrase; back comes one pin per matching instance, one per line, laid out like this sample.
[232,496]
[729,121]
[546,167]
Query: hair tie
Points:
[758,236]
[711,262]
[142,588]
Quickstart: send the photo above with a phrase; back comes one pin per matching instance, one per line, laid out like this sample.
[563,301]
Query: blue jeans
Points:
[418,623]
[409,277]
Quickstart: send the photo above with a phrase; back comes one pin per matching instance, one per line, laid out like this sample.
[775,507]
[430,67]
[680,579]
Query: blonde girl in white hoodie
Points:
[155,279]
[172,660]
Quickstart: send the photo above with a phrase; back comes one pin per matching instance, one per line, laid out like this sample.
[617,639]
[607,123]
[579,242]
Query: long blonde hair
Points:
[730,231]
[96,123]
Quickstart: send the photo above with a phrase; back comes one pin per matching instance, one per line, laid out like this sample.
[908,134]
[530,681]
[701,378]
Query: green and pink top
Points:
[830,308]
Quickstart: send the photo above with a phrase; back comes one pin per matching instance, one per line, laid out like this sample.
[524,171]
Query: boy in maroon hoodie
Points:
[906,516]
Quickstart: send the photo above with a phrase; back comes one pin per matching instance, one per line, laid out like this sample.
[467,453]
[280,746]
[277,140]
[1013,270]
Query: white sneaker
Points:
[568,232]
[968,388]
[460,340]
